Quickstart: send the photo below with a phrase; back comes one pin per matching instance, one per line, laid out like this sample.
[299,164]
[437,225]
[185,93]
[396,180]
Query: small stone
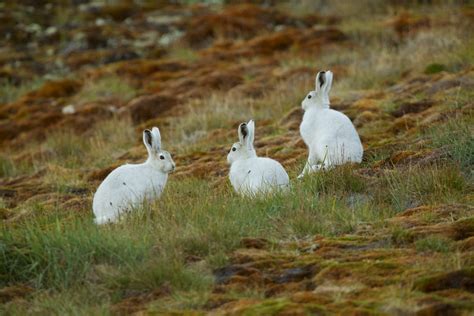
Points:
[68,109]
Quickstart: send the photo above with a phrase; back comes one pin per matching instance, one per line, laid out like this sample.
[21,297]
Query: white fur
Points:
[129,185]
[330,135]
[249,174]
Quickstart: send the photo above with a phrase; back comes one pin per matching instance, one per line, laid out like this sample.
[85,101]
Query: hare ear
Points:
[243,132]
[148,140]
[251,132]
[156,138]
[320,81]
[328,82]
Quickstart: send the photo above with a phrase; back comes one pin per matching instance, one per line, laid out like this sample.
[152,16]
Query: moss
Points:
[56,89]
[368,272]
[434,68]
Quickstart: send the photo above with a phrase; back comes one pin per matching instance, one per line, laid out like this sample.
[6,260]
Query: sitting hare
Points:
[250,174]
[330,135]
[128,185]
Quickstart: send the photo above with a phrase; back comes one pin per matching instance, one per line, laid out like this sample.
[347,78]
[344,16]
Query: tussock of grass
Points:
[10,92]
[400,236]
[434,243]
[106,87]
[456,137]
[417,186]
[48,255]
[7,166]
[205,115]
[64,152]
[108,139]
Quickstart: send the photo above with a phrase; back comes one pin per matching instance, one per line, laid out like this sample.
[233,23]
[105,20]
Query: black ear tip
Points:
[321,77]
[243,129]
[148,136]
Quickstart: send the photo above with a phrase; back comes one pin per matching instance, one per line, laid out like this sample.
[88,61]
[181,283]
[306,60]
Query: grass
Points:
[223,111]
[10,92]
[420,185]
[7,166]
[106,142]
[456,136]
[150,249]
[107,87]
[434,243]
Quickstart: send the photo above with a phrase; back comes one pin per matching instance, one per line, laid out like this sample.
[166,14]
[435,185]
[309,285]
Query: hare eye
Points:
[234,149]
[309,96]
[162,157]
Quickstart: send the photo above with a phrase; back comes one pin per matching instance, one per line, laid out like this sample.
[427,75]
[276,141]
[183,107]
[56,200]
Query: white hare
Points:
[330,135]
[128,185]
[249,174]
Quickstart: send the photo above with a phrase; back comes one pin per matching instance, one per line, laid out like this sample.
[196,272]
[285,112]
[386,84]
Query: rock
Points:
[68,109]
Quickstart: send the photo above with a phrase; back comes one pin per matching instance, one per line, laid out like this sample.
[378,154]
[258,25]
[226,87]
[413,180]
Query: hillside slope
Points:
[393,235]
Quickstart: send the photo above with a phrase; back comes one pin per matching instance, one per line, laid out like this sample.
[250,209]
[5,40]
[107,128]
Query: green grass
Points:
[100,148]
[7,166]
[150,248]
[183,53]
[416,186]
[434,68]
[400,236]
[10,92]
[434,244]
[61,252]
[456,136]
[104,88]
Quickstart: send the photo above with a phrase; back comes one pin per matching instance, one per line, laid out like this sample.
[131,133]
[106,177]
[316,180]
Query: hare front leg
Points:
[305,170]
[310,165]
